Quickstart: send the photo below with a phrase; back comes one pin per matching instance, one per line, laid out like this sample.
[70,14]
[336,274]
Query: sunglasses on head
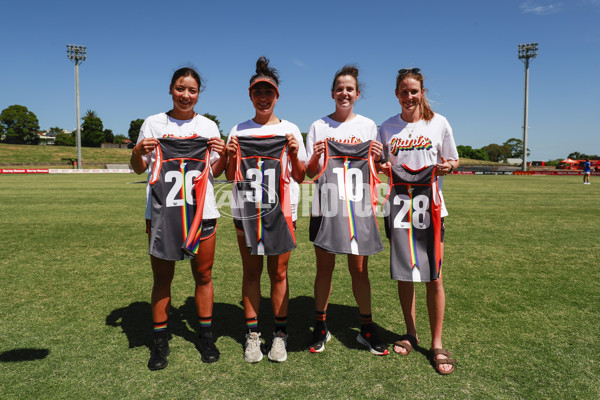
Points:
[406,71]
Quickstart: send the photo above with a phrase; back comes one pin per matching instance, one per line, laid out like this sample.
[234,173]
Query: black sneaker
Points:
[158,356]
[209,351]
[368,337]
[319,338]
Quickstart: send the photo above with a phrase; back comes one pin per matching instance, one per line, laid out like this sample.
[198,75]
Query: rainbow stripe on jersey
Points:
[414,259]
[259,218]
[188,212]
[350,206]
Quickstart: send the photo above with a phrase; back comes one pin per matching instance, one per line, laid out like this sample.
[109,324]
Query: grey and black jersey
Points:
[178,183]
[413,220]
[347,193]
[262,195]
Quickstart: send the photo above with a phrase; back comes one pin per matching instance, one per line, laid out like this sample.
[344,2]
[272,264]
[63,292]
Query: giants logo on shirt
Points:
[191,135]
[350,140]
[398,144]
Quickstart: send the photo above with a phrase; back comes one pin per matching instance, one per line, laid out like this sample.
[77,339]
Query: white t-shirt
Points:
[160,126]
[418,144]
[358,130]
[251,128]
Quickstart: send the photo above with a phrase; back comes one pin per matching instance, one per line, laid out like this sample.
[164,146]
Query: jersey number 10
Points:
[346,188]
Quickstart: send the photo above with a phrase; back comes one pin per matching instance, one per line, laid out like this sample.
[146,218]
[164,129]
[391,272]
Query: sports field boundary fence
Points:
[127,171]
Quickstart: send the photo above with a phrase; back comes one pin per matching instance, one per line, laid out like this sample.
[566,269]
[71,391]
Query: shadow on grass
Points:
[342,321]
[18,355]
[135,322]
[228,320]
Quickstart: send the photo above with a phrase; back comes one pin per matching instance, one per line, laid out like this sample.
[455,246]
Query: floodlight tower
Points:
[77,55]
[526,51]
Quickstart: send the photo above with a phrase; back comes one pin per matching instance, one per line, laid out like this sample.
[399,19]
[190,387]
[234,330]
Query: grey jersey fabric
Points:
[180,166]
[347,193]
[262,194]
[413,219]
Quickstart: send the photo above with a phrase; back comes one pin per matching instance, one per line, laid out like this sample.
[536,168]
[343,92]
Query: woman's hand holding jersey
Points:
[376,150]
[444,168]
[217,145]
[146,146]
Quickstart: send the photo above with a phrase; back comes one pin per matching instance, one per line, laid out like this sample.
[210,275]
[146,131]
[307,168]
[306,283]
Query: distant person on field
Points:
[587,171]
[181,122]
[418,138]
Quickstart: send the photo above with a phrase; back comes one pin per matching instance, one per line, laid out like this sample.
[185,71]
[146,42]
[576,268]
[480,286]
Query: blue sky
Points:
[466,49]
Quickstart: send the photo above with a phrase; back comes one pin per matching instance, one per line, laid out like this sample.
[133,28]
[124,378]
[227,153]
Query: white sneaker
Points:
[278,352]
[252,352]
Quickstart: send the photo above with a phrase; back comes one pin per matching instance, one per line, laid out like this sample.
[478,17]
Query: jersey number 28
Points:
[421,219]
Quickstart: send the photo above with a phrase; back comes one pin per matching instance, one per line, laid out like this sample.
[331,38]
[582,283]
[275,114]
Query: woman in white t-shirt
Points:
[264,93]
[181,122]
[343,125]
[418,137]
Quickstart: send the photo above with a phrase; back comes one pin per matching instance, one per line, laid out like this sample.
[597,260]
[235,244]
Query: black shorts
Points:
[209,228]
[314,226]
[388,232]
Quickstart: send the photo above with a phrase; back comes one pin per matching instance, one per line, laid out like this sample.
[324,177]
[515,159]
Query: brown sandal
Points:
[445,360]
[412,343]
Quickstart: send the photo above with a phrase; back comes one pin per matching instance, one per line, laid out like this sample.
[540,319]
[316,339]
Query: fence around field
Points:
[546,172]
[128,170]
[65,171]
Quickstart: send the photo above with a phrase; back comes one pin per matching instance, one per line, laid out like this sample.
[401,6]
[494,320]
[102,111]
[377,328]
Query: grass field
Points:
[521,277]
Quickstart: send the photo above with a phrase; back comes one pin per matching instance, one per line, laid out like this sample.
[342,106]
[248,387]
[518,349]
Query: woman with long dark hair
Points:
[181,122]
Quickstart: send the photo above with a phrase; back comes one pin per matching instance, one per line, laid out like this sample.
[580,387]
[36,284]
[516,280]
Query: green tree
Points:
[480,154]
[216,121]
[582,156]
[19,125]
[92,131]
[497,152]
[464,151]
[473,154]
[65,139]
[120,139]
[134,129]
[109,137]
[516,148]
